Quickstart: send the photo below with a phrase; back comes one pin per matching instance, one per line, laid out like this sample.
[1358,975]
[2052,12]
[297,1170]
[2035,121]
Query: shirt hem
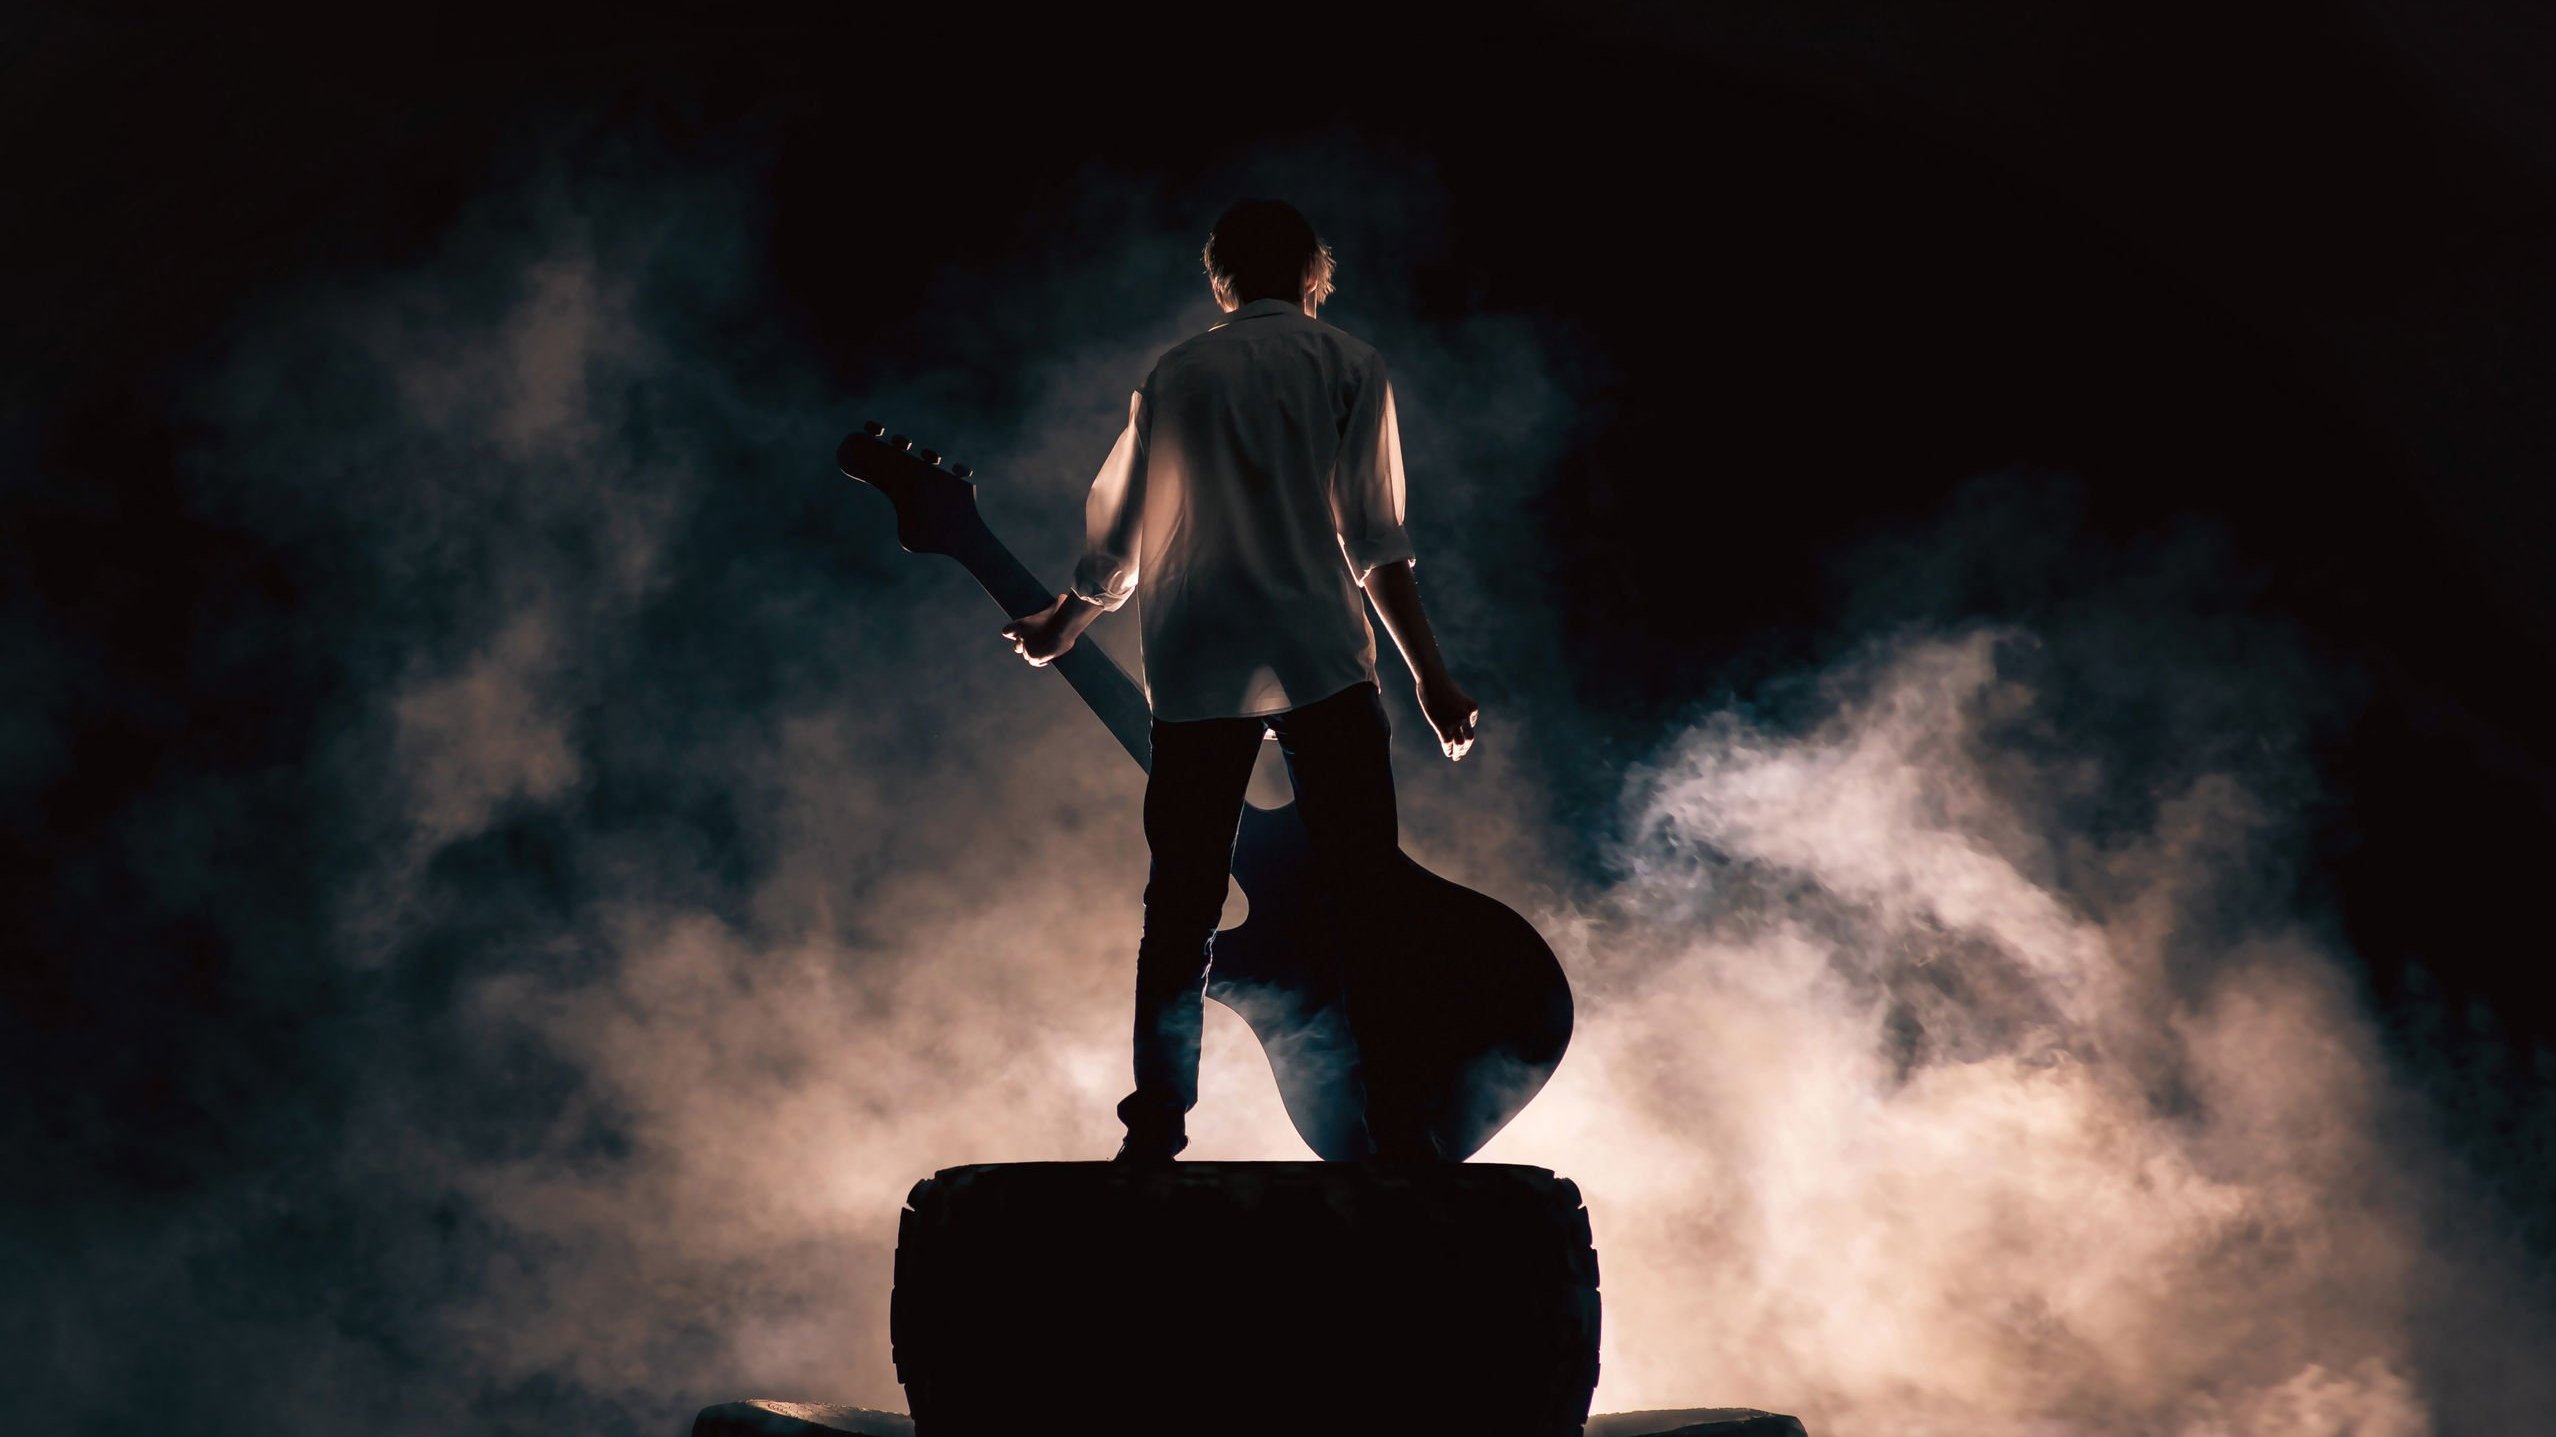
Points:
[1366,681]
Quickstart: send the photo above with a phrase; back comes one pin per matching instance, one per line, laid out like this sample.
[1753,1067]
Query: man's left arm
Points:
[1113,520]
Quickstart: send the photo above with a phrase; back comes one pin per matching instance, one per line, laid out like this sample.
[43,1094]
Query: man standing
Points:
[1257,495]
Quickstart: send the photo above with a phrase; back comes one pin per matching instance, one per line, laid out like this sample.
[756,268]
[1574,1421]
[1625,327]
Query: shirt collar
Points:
[1258,308]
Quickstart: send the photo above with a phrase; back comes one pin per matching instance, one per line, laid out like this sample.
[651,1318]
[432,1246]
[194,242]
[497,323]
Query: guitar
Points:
[1469,994]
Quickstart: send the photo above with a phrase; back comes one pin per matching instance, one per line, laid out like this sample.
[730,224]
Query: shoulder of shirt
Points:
[1357,350]
[1171,358]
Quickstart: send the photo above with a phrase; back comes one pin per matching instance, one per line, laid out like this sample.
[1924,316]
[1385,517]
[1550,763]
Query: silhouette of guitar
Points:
[1469,993]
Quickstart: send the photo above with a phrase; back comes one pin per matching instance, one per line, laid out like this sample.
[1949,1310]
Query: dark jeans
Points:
[1339,760]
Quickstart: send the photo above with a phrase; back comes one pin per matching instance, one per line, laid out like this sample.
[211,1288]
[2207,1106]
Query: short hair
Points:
[1265,248]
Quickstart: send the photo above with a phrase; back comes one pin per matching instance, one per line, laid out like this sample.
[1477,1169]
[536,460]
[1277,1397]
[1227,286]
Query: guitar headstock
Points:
[935,505]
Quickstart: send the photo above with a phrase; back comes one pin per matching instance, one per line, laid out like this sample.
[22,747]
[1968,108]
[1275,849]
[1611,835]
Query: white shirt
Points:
[1258,481]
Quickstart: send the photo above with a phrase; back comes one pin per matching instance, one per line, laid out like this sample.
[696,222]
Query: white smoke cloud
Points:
[477,738]
[1882,1125]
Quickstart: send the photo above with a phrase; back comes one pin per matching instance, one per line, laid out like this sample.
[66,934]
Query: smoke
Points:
[1930,1118]
[701,872]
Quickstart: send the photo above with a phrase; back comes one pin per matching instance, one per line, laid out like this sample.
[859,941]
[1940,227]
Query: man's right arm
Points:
[1366,506]
[1449,709]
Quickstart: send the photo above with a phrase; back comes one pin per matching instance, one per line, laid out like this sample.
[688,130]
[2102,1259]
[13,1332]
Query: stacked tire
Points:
[1246,1298]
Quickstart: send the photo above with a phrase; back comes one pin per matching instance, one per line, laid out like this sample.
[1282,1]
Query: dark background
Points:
[2274,276]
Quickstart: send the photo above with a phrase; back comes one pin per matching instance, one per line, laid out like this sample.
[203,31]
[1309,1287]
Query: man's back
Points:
[1260,480]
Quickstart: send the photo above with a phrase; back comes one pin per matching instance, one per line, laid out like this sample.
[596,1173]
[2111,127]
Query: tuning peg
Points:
[899,441]
[928,457]
[873,428]
[961,471]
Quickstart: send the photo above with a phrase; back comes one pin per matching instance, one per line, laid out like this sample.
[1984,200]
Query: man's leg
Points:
[1339,755]
[1193,800]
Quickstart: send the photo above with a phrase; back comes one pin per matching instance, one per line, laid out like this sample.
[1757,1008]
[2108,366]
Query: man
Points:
[1254,494]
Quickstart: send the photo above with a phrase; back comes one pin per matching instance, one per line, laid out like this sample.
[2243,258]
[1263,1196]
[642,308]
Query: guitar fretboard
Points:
[1105,687]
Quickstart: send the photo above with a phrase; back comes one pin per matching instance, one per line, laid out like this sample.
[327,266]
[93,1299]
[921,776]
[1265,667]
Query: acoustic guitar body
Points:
[1463,991]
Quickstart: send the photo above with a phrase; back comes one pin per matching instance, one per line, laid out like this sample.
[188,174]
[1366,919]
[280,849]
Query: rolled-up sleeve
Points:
[1366,480]
[1114,516]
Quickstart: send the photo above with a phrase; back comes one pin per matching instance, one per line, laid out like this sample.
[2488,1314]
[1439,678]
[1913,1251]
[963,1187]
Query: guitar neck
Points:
[1103,686]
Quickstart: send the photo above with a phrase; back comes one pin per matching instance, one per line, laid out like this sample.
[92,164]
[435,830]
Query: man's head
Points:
[1265,249]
